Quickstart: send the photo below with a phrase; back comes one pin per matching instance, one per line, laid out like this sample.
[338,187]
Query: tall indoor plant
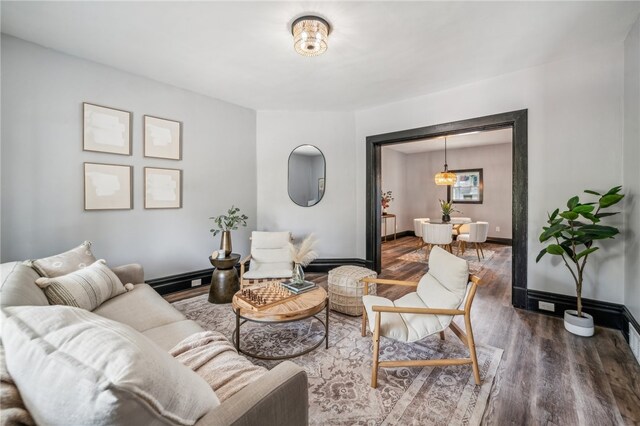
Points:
[227,223]
[571,234]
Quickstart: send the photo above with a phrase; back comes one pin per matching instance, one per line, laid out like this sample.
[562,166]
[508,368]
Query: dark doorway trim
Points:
[517,120]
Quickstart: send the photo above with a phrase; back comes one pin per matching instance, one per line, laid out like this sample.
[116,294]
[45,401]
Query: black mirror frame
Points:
[324,161]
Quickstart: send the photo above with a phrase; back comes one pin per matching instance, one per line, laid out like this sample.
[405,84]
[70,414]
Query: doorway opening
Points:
[516,122]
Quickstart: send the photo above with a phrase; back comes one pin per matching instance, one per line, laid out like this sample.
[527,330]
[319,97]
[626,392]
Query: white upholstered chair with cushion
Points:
[444,291]
[459,224]
[437,235]
[417,228]
[270,258]
[477,235]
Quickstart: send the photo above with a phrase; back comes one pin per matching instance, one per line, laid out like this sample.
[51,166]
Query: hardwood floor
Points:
[547,375]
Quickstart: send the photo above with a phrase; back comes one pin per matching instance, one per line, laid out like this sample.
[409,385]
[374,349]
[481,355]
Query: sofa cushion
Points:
[168,335]
[85,288]
[75,367]
[18,287]
[65,263]
[141,308]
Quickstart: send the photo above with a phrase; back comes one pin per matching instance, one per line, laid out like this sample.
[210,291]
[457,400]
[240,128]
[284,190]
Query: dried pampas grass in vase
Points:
[302,255]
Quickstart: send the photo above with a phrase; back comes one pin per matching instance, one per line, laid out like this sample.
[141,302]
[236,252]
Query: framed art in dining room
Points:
[162,138]
[106,129]
[468,188]
[108,187]
[162,188]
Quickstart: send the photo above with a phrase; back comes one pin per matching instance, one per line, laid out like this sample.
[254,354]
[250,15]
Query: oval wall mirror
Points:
[306,175]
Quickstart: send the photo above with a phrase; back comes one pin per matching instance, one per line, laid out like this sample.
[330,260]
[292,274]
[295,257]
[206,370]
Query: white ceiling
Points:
[465,140]
[242,52]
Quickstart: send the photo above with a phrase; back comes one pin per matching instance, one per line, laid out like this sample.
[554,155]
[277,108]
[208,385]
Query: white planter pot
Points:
[577,325]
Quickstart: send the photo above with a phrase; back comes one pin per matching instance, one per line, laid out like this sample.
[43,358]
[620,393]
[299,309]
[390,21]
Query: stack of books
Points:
[300,287]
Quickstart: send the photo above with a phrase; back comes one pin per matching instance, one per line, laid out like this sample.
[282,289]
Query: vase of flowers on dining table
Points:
[447,208]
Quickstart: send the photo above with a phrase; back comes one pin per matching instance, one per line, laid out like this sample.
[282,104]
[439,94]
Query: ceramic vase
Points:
[225,243]
[446,218]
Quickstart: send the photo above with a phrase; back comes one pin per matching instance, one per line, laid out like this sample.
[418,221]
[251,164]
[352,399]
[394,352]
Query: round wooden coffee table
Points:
[304,306]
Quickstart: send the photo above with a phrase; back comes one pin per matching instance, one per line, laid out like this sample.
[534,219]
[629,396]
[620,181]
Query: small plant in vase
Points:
[226,223]
[447,208]
[571,234]
[302,255]
[387,198]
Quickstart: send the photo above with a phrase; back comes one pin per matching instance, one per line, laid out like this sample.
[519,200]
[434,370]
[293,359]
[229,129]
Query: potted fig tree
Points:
[571,234]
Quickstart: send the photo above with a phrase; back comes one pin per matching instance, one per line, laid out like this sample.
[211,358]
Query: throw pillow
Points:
[74,367]
[64,263]
[85,288]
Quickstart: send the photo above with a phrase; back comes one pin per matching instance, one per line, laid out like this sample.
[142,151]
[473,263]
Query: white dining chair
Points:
[417,228]
[437,235]
[477,235]
[459,223]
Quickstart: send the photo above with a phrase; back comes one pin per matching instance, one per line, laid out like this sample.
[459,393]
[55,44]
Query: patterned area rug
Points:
[421,256]
[339,377]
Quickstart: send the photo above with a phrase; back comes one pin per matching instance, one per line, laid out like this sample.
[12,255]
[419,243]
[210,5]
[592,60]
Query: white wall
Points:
[632,169]
[394,178]
[333,218]
[575,142]
[42,178]
[495,160]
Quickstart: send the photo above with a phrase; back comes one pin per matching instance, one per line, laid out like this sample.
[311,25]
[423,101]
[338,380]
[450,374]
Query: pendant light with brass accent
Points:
[446,177]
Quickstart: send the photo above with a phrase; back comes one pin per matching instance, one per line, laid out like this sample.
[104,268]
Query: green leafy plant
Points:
[572,233]
[229,221]
[447,208]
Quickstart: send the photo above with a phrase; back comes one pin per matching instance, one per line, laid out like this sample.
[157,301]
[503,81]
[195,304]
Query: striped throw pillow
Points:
[85,288]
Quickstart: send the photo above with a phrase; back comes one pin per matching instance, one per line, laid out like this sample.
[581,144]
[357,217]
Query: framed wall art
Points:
[106,129]
[468,188]
[162,188]
[108,187]
[162,138]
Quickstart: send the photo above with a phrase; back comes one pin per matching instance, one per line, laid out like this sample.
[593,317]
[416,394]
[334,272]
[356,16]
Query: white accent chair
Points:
[417,228]
[477,235]
[270,258]
[437,235]
[444,291]
[459,223]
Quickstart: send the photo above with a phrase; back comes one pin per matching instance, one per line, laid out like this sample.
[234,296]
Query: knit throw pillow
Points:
[85,288]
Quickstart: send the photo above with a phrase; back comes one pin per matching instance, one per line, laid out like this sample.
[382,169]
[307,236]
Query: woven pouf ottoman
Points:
[346,289]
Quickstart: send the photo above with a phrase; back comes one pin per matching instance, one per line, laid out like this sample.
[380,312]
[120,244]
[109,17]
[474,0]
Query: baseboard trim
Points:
[629,320]
[399,235]
[325,265]
[605,314]
[502,241]
[179,282]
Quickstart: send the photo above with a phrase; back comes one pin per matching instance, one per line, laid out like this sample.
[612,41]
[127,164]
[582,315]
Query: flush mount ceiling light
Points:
[446,177]
[310,35]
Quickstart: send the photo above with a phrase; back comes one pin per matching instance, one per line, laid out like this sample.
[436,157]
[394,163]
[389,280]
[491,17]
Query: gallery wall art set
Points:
[110,186]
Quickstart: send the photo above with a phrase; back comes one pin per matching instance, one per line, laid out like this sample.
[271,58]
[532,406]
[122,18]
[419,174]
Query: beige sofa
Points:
[277,398]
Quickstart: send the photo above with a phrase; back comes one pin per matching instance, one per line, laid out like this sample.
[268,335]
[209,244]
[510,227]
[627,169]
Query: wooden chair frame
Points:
[462,246]
[466,338]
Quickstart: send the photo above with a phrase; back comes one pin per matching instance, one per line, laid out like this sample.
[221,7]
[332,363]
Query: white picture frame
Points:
[108,187]
[106,129]
[162,188]
[162,138]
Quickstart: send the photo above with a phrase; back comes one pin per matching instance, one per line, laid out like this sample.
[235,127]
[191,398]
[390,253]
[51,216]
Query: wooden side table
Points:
[386,216]
[224,280]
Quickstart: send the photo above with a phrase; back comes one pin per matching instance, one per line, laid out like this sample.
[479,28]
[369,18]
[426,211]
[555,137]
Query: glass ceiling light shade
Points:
[446,177]
[310,34]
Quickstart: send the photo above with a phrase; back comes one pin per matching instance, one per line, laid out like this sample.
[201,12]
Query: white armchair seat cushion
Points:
[262,272]
[391,325]
[444,286]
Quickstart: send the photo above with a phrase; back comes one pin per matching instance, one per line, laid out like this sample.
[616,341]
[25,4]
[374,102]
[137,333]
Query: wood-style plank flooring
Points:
[547,376]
